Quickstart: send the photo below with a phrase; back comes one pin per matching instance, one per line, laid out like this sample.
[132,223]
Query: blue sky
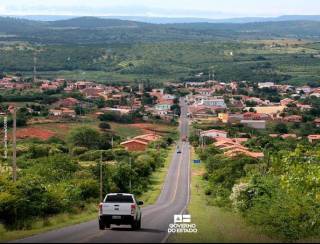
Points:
[168,8]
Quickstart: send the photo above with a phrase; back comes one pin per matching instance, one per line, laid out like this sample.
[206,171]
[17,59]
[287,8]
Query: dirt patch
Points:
[34,133]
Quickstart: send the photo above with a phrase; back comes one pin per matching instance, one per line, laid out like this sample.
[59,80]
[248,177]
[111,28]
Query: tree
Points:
[281,128]
[104,126]
[84,137]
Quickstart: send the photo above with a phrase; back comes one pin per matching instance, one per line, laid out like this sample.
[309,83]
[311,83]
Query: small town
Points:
[231,109]
[155,121]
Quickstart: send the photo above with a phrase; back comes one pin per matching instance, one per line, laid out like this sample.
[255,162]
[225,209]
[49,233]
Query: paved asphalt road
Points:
[173,200]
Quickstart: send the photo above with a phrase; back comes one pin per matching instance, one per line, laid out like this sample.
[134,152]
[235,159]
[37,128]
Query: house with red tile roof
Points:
[286,101]
[140,143]
[313,138]
[256,116]
[238,151]
[317,122]
[293,118]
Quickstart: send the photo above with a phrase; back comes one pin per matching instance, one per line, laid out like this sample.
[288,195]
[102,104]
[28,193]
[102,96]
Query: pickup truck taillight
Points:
[101,208]
[133,209]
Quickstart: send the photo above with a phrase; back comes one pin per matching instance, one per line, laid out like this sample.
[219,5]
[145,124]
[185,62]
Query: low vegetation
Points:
[62,177]
[278,193]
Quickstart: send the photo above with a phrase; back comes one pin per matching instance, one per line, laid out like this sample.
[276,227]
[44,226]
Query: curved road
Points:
[173,199]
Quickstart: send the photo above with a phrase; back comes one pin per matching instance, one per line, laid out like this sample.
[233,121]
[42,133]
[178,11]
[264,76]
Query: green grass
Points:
[150,197]
[52,223]
[125,130]
[215,224]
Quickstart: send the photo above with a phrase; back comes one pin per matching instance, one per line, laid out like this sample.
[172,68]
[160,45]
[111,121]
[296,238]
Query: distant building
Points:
[317,122]
[255,124]
[213,103]
[162,106]
[262,85]
[214,134]
[313,138]
[293,119]
[140,143]
[286,101]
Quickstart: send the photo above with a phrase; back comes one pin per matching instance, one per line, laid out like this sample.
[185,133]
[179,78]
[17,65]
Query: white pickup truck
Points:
[120,209]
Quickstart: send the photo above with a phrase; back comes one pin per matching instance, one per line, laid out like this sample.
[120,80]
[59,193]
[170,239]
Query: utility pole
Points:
[5,128]
[130,183]
[101,185]
[14,146]
[34,68]
[112,141]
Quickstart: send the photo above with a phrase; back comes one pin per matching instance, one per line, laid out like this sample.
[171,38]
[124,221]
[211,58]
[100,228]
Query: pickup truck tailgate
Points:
[116,208]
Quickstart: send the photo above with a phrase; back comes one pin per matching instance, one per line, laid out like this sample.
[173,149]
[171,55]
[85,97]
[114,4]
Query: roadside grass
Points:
[215,225]
[151,196]
[51,223]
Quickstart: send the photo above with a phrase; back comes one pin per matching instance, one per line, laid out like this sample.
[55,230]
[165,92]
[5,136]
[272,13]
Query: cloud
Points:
[3,9]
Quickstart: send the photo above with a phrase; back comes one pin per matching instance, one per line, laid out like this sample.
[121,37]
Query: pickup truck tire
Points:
[139,225]
[102,226]
[136,225]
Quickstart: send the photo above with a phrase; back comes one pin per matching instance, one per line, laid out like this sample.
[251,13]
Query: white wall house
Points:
[214,133]
[213,103]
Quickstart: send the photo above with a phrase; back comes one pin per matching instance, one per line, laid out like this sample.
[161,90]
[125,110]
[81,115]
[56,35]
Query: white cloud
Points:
[199,8]
[2,9]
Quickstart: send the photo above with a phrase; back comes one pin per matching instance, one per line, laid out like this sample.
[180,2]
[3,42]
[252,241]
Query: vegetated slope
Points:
[94,23]
[92,30]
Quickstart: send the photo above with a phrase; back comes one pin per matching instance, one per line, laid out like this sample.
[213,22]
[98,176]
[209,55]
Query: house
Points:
[201,111]
[139,143]
[304,90]
[135,145]
[317,122]
[195,84]
[304,107]
[148,137]
[204,91]
[286,136]
[233,148]
[293,119]
[162,106]
[214,134]
[234,85]
[262,85]
[48,86]
[256,116]
[93,92]
[238,151]
[80,85]
[315,93]
[286,101]
[63,112]
[218,103]
[255,124]
[313,138]
[69,102]
[254,100]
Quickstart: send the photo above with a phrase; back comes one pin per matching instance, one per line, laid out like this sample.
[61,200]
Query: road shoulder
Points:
[214,224]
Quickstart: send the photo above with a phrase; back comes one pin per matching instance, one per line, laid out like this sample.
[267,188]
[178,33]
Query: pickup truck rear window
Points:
[119,199]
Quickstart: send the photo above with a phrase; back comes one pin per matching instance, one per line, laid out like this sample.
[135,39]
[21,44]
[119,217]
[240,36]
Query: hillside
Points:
[123,31]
